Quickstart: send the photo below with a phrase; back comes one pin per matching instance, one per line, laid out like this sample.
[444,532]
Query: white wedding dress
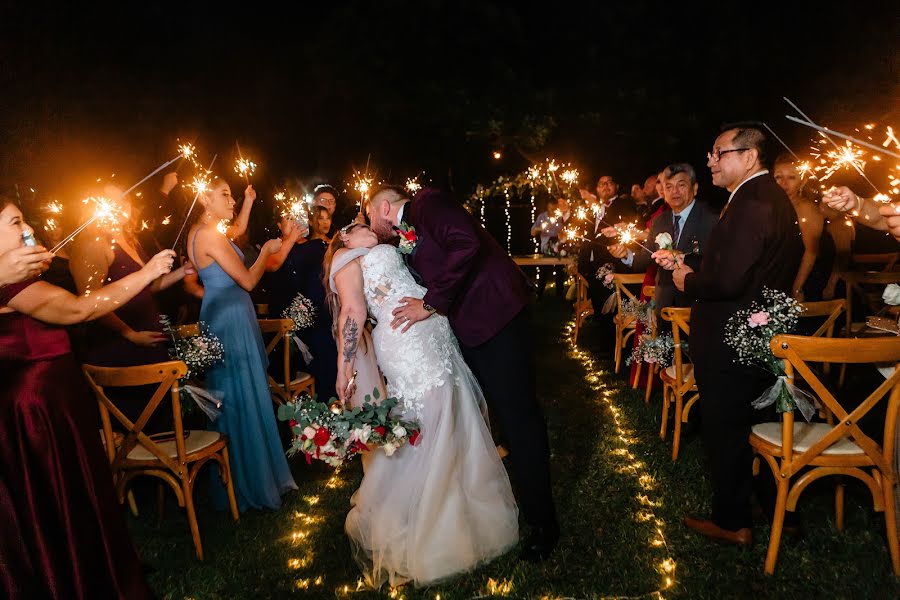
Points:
[444,506]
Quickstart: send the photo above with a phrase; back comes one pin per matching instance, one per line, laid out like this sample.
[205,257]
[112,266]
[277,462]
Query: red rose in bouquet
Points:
[322,436]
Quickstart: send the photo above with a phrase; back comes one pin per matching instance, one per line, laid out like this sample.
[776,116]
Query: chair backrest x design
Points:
[166,376]
[280,329]
[681,329]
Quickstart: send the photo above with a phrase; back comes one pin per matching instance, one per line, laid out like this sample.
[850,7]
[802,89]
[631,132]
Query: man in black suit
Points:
[610,209]
[755,244]
[687,221]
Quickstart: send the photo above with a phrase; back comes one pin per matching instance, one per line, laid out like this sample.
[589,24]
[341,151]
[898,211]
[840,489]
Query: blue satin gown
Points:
[258,464]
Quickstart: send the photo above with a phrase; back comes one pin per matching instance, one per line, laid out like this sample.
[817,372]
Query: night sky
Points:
[310,91]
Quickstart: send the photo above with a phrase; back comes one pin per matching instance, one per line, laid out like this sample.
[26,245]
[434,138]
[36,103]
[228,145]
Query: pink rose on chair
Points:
[609,278]
[758,319]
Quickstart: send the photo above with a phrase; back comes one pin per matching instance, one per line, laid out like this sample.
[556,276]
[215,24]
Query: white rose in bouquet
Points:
[361,434]
[389,448]
[399,431]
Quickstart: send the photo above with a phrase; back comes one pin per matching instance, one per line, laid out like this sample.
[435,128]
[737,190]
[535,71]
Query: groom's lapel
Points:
[409,217]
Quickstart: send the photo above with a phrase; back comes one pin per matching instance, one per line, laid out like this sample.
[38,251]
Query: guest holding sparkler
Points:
[132,335]
[300,272]
[64,533]
[548,226]
[23,262]
[258,464]
[818,254]
[878,213]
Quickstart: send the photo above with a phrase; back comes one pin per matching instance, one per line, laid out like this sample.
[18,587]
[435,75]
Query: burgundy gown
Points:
[62,532]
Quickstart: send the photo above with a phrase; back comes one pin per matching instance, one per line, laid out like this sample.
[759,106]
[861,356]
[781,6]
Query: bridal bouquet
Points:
[333,435]
[302,312]
[659,350]
[751,330]
[199,353]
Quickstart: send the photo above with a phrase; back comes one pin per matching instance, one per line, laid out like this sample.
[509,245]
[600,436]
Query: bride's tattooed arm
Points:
[350,334]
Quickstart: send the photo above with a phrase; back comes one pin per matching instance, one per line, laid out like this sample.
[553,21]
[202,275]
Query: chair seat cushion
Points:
[805,435]
[687,369]
[196,441]
[301,378]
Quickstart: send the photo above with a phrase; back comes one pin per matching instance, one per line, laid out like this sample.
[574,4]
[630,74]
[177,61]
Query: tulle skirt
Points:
[439,508]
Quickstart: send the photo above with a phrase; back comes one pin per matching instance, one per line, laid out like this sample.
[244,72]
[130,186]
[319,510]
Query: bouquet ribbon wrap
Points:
[304,349]
[786,396]
[209,402]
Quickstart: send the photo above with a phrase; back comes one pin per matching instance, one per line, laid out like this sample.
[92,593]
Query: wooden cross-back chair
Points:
[175,460]
[583,306]
[867,287]
[679,385]
[648,292]
[292,385]
[625,323]
[831,310]
[841,448]
[879,262]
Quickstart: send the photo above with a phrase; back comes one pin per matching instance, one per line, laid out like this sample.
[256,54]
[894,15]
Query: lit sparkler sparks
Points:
[413,185]
[244,167]
[843,157]
[200,183]
[187,151]
[54,207]
[570,176]
[106,212]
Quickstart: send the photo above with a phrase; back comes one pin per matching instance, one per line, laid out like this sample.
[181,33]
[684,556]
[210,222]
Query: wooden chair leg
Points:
[777,526]
[637,375]
[839,506]
[651,375]
[665,413]
[229,485]
[132,505]
[890,520]
[618,351]
[676,436]
[160,501]
[192,516]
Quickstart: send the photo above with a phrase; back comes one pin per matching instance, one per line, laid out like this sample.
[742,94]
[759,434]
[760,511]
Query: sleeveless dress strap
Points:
[342,261]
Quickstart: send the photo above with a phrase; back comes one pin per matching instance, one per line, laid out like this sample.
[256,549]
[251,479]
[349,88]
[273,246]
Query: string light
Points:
[645,513]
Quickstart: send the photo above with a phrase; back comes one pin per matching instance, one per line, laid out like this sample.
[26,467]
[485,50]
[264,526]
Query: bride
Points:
[445,505]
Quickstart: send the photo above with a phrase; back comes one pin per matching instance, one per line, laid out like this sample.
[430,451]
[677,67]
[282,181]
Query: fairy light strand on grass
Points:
[625,435]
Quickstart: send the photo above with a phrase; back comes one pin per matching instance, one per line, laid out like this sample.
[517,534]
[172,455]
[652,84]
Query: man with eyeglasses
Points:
[755,244]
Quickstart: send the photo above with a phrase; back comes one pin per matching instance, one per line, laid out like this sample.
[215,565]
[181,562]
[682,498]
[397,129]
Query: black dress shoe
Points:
[539,545]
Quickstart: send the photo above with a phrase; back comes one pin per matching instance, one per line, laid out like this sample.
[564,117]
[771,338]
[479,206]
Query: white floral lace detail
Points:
[416,361]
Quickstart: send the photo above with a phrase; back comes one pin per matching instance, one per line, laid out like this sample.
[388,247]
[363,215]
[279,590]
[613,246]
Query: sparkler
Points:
[244,167]
[857,141]
[105,211]
[413,185]
[199,185]
[847,159]
[184,151]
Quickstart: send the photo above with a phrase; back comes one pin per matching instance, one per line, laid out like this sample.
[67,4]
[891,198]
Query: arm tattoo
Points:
[351,338]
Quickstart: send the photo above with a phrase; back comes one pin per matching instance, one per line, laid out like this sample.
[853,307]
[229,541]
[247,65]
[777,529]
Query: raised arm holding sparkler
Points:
[878,212]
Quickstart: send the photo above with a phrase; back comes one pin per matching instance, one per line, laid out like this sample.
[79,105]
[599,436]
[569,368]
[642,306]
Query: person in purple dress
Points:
[132,334]
[64,534]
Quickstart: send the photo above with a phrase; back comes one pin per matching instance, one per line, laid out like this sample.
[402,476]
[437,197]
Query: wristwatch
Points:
[429,307]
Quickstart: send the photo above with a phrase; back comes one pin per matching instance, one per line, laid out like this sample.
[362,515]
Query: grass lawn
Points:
[619,496]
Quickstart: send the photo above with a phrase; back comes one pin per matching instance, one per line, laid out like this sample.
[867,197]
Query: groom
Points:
[472,281]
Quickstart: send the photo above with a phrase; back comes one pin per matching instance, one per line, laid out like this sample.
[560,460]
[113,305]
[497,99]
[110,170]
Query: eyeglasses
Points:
[716,155]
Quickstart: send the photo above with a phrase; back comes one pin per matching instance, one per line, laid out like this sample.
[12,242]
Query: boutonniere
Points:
[408,238]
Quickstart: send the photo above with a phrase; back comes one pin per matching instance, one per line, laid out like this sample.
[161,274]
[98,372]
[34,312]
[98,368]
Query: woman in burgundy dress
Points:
[132,335]
[64,535]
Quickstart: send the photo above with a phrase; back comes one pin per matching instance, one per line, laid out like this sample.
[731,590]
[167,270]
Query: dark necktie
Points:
[676,230]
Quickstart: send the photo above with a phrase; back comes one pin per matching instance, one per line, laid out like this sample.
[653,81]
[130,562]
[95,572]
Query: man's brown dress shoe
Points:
[741,537]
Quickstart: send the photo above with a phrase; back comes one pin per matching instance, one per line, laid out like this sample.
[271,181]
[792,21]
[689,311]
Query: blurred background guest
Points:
[132,334]
[548,226]
[299,271]
[818,247]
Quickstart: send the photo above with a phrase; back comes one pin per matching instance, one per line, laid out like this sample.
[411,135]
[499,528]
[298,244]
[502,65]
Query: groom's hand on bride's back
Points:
[410,312]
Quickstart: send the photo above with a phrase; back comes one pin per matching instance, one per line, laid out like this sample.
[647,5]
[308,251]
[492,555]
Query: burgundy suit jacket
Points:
[470,278]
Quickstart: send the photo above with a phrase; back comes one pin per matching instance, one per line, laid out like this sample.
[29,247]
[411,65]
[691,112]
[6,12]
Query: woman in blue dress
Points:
[258,464]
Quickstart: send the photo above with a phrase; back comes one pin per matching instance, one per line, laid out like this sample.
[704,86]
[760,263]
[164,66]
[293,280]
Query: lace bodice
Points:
[418,360]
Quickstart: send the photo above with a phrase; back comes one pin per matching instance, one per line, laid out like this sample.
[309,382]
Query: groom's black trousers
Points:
[504,366]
